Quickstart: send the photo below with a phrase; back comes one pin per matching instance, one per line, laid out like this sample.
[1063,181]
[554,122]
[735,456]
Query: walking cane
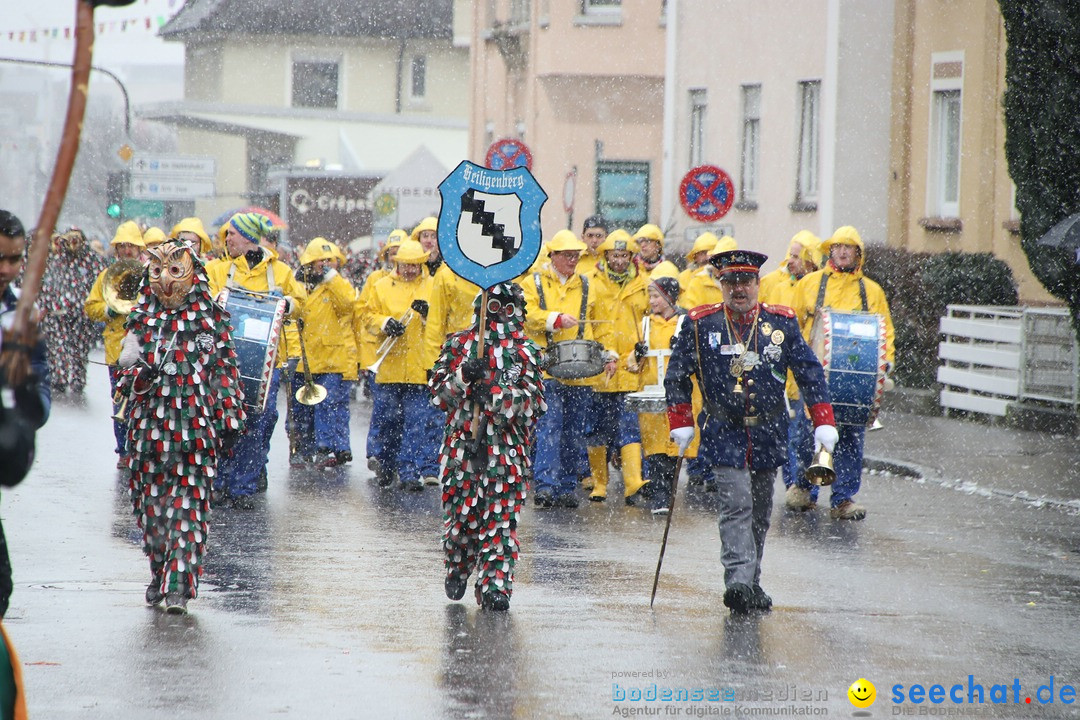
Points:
[667,525]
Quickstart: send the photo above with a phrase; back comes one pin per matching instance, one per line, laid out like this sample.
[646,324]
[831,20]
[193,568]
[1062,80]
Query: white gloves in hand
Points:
[129,351]
[825,436]
[682,437]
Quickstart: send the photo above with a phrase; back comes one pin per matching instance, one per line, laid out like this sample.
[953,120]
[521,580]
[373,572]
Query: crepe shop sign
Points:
[303,202]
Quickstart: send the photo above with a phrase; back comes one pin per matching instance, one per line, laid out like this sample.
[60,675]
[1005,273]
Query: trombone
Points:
[388,342]
[311,393]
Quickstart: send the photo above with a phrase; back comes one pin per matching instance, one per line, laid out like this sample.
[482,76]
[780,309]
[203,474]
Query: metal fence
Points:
[994,356]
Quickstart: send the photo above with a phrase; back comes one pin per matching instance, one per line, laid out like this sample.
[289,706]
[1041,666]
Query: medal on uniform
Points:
[771,353]
[777,336]
[737,368]
[766,328]
[750,360]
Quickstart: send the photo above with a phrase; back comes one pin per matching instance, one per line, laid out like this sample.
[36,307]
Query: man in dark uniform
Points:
[741,351]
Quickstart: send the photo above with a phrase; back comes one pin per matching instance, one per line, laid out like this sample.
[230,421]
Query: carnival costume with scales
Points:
[183,406]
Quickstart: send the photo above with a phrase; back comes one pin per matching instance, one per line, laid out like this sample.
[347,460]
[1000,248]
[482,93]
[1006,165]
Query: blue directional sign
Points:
[489,222]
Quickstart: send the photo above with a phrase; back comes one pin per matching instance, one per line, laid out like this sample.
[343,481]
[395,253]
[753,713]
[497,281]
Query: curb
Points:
[893,467]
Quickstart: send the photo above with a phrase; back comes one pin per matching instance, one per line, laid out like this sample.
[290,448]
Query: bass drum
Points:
[256,320]
[575,359]
[851,347]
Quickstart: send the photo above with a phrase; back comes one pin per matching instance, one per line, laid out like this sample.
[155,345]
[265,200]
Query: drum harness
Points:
[821,295]
[584,306]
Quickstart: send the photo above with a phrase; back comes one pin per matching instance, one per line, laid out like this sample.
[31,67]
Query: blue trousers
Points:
[560,437]
[239,473]
[847,462]
[119,428]
[398,406]
[324,426]
[612,424]
[800,449]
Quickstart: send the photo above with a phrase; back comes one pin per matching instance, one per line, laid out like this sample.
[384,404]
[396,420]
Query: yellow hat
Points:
[723,244]
[565,240]
[665,268]
[428,223]
[811,247]
[318,249]
[128,232]
[192,225]
[153,236]
[705,241]
[649,231]
[393,240]
[411,253]
[618,240]
[846,235]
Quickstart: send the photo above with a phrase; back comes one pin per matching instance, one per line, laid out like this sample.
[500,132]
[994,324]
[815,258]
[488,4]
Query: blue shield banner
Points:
[489,222]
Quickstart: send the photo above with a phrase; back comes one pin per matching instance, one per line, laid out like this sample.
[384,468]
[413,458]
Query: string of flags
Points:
[139,24]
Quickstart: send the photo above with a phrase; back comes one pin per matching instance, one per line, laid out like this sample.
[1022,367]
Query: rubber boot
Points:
[598,465]
[631,471]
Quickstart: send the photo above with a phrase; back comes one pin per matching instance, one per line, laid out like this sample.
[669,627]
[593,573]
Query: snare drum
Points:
[575,359]
[650,399]
[851,347]
[256,320]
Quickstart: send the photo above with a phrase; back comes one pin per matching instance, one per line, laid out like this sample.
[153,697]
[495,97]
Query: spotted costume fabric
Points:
[69,275]
[184,399]
[484,482]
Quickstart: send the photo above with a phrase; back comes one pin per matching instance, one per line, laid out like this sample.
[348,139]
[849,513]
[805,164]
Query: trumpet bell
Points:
[311,394]
[821,470]
[120,286]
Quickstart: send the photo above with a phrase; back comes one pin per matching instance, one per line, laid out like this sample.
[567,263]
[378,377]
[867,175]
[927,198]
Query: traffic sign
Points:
[174,166]
[489,223]
[706,193]
[149,187]
[130,207]
[507,154]
[568,190]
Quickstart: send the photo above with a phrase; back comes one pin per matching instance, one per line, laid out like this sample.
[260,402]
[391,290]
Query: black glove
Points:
[640,351]
[226,440]
[393,328]
[472,370]
[420,306]
[29,403]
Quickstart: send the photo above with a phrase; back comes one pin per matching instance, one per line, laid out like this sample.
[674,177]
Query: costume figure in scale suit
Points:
[493,398]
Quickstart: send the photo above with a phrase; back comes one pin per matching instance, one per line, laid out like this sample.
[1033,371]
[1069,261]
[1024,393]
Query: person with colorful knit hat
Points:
[248,266]
[184,410]
[488,381]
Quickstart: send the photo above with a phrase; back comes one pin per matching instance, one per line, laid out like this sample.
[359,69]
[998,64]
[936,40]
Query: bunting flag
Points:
[111,27]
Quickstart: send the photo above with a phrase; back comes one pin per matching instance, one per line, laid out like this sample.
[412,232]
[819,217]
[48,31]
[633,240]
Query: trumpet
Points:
[388,344]
[311,393]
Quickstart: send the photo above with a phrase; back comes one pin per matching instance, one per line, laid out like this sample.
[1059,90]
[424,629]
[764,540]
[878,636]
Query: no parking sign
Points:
[706,193]
[507,154]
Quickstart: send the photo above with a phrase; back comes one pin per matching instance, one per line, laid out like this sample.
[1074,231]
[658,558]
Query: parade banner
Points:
[489,222]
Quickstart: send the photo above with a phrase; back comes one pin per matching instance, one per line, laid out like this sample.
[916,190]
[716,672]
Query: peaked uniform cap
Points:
[739,261]
[565,240]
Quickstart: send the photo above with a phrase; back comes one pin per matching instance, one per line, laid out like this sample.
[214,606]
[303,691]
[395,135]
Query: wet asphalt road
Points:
[326,601]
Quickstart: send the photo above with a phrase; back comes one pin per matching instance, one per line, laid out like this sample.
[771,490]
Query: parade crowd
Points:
[608,364]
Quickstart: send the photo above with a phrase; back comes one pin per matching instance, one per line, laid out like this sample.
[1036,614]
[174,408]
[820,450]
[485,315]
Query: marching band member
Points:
[621,301]
[184,409]
[426,233]
[560,306]
[399,303]
[740,352]
[704,288]
[366,342]
[127,245]
[660,451]
[778,288]
[485,469]
[330,351]
[450,312]
[698,257]
[594,231]
[841,286]
[650,241]
[191,231]
[153,236]
[248,266]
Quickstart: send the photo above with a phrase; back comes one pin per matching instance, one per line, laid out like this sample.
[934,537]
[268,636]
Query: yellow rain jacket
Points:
[257,279]
[703,289]
[619,309]
[655,438]
[559,297]
[451,310]
[328,336]
[366,342]
[95,309]
[391,298]
[842,294]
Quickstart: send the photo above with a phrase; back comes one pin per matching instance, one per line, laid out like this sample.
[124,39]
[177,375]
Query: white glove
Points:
[129,351]
[682,437]
[825,436]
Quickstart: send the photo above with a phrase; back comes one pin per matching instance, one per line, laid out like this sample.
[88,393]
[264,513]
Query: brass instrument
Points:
[311,393]
[120,286]
[388,344]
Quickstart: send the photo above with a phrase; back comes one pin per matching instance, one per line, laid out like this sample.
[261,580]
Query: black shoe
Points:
[154,596]
[415,485]
[566,500]
[496,600]
[695,480]
[739,597]
[383,476]
[243,502]
[261,483]
[455,587]
[344,456]
[176,603]
[544,498]
[760,599]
